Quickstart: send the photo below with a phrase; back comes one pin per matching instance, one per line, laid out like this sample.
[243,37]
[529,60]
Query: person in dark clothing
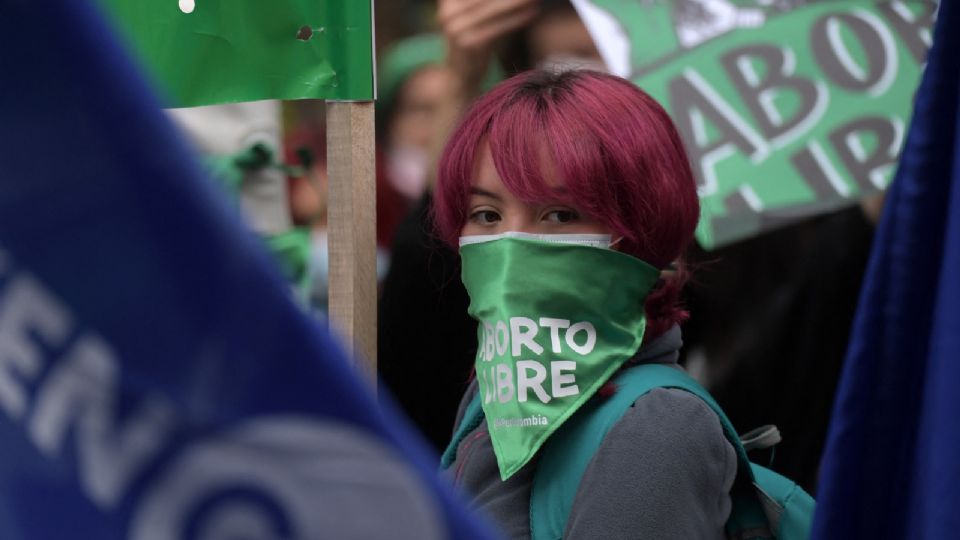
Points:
[425,339]
[770,319]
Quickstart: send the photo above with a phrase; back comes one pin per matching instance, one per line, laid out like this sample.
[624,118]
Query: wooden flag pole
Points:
[351,220]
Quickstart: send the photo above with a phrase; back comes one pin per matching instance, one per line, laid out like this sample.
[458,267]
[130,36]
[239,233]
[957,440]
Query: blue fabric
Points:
[129,289]
[890,468]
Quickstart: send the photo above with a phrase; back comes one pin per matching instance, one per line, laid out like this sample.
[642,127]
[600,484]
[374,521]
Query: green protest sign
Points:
[202,52]
[787,109]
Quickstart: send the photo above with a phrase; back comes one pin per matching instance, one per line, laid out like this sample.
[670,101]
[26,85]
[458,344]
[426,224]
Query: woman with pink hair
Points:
[571,200]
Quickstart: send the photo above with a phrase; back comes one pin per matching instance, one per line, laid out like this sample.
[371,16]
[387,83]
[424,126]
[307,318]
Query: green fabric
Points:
[556,320]
[566,456]
[245,50]
[291,250]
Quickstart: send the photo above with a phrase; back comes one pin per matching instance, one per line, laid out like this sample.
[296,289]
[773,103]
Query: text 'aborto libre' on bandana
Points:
[556,320]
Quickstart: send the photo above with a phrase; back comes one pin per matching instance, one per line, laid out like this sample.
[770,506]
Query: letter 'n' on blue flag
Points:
[156,382]
[891,467]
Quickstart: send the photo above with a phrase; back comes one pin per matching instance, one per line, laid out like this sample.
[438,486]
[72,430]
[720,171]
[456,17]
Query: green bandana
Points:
[556,321]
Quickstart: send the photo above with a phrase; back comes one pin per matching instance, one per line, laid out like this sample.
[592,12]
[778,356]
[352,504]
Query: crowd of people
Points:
[501,143]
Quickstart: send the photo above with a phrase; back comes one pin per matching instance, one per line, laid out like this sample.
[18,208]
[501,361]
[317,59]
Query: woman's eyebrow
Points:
[485,193]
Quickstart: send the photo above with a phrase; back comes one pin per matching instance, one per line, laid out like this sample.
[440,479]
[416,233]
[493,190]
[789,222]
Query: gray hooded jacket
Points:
[664,471]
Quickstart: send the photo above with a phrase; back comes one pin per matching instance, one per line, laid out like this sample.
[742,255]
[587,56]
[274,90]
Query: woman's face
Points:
[492,209]
[417,104]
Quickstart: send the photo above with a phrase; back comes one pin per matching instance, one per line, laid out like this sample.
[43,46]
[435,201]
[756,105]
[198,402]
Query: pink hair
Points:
[615,150]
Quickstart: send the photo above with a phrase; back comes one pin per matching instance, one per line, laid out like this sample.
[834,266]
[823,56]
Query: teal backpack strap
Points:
[472,416]
[564,458]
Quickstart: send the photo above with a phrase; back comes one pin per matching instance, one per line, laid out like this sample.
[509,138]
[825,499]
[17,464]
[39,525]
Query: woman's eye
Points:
[561,216]
[485,217]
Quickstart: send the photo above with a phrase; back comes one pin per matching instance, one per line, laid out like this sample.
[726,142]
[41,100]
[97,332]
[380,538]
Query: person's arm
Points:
[663,471]
[472,29]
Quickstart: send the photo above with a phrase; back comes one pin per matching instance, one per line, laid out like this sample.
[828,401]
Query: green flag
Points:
[202,52]
[787,108]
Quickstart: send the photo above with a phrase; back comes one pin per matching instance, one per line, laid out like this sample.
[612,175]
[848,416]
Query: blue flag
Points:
[891,467]
[155,380]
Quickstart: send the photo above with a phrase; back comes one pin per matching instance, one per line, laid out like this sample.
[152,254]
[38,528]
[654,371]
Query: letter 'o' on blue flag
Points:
[156,382]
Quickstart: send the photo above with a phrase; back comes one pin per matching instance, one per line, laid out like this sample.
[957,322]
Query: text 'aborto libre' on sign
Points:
[785,112]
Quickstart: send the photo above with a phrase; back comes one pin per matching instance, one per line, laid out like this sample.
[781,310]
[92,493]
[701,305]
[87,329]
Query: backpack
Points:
[765,504]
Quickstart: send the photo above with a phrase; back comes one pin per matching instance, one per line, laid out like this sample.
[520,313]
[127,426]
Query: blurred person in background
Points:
[240,145]
[228,130]
[305,147]
[770,320]
[411,85]
[425,337]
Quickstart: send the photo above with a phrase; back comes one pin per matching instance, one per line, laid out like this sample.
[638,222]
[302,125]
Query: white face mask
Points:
[407,170]
[601,241]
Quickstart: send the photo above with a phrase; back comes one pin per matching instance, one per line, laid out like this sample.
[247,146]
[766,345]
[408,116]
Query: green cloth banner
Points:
[788,109]
[203,52]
